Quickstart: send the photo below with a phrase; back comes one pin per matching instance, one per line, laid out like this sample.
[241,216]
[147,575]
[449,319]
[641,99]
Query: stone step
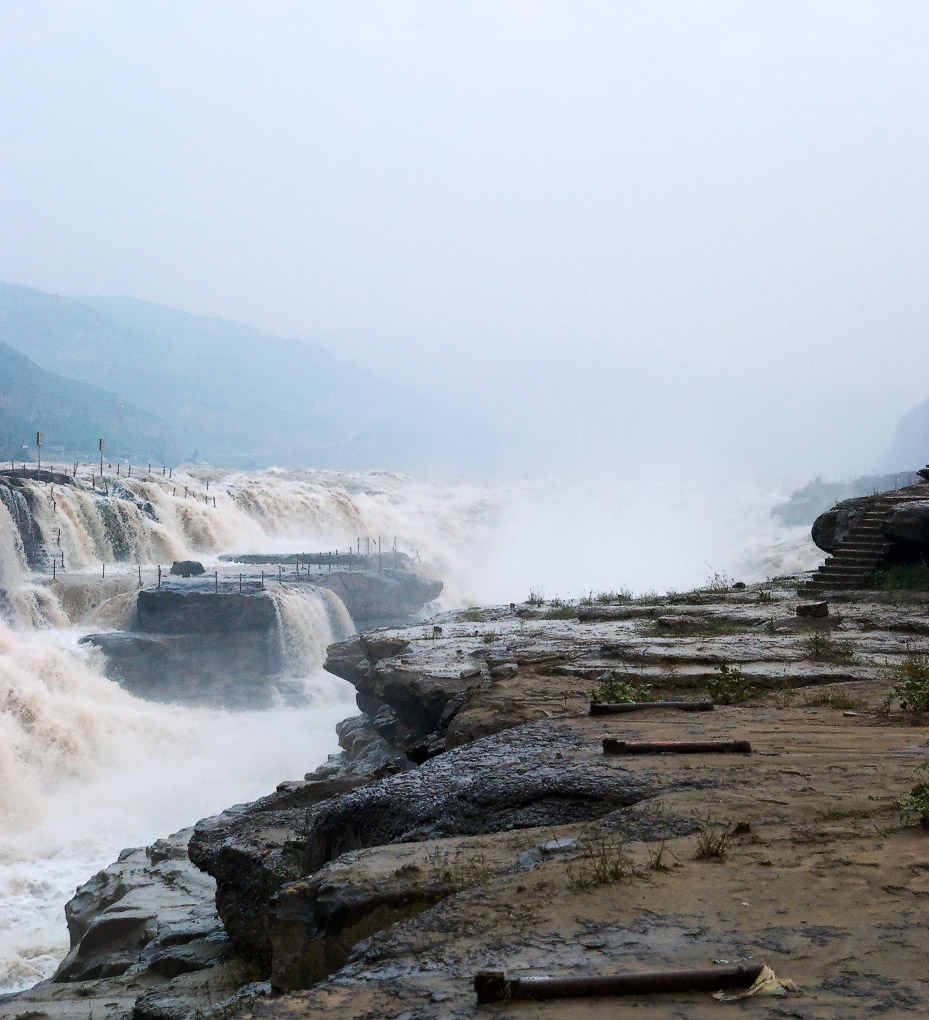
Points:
[834,586]
[844,578]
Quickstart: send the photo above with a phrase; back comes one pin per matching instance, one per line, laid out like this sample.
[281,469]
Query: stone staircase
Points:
[862,550]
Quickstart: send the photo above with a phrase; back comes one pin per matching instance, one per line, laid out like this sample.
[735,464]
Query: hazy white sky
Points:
[698,229]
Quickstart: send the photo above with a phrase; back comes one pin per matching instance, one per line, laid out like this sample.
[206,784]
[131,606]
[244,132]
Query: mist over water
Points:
[86,769]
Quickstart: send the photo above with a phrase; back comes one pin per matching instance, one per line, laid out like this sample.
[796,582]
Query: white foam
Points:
[86,770]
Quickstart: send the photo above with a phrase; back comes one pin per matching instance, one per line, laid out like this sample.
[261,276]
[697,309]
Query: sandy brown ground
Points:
[825,886]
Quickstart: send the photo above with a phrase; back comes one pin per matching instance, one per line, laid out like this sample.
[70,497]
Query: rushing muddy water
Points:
[86,769]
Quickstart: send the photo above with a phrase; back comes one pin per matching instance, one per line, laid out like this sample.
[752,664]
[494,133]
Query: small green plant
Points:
[617,689]
[764,596]
[823,648]
[713,840]
[728,685]
[910,685]
[915,805]
[564,611]
[717,582]
[658,857]
[474,615]
[837,699]
[607,598]
[786,695]
[461,870]
[536,598]
[604,860]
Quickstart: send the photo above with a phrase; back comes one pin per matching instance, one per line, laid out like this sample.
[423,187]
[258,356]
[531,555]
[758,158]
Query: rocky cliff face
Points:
[193,645]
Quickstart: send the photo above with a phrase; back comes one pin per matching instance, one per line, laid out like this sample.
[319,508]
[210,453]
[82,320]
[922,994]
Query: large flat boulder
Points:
[909,522]
[540,774]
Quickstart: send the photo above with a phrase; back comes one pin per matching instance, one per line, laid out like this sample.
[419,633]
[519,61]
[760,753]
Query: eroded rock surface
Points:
[151,909]
[535,775]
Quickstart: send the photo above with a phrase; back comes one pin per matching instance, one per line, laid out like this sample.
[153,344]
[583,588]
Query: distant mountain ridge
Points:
[219,391]
[73,416]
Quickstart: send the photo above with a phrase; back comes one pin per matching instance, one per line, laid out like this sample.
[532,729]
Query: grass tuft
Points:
[823,648]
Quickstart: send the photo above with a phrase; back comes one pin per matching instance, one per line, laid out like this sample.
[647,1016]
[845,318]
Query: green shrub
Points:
[607,598]
[728,685]
[617,689]
[603,861]
[910,684]
[712,840]
[903,577]
[840,700]
[717,582]
[915,805]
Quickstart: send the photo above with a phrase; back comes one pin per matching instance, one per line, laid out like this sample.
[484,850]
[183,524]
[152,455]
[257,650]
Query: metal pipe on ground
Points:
[495,986]
[611,745]
[609,708]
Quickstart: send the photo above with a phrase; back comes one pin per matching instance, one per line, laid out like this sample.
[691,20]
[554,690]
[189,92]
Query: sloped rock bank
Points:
[381,882]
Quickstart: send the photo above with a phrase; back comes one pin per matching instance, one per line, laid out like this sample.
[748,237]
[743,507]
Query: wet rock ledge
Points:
[473,820]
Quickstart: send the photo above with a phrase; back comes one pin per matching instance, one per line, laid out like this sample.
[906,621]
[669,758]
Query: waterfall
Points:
[308,621]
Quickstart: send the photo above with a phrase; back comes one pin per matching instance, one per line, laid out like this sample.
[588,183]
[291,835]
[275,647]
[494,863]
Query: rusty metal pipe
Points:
[613,746]
[495,986]
[608,708]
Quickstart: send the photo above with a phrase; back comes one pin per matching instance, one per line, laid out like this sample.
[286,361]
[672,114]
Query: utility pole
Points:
[38,443]
[101,444]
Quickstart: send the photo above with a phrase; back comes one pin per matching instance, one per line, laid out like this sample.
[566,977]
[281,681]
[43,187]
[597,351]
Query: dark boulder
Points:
[908,522]
[183,609]
[187,568]
[531,775]
[831,527]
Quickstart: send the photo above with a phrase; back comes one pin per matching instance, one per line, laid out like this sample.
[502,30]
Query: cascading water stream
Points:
[308,621]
